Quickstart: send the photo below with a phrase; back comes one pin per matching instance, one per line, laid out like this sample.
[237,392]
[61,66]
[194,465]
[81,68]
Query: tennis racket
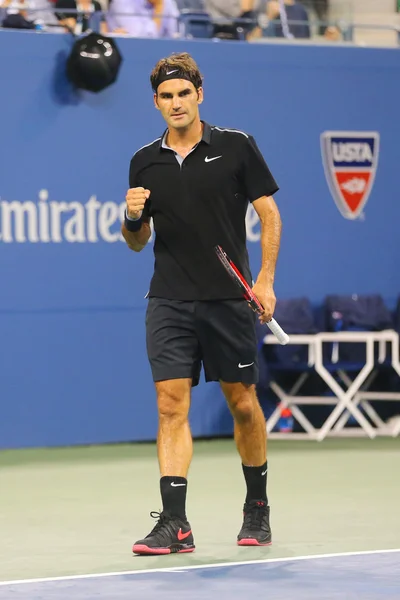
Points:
[249,295]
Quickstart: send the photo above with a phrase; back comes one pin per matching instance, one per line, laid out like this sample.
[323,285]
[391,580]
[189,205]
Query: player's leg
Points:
[249,423]
[174,444]
[229,346]
[175,361]
[251,441]
[174,439]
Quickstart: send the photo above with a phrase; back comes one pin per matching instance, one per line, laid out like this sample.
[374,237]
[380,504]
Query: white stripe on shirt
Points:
[146,145]
[231,131]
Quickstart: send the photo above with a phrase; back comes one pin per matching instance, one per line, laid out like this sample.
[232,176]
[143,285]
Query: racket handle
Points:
[278,332]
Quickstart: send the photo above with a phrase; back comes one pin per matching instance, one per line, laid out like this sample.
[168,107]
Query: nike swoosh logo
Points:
[244,366]
[182,536]
[211,159]
[170,72]
[264,472]
[173,484]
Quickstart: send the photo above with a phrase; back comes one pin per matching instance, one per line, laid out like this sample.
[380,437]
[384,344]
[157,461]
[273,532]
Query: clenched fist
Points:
[135,201]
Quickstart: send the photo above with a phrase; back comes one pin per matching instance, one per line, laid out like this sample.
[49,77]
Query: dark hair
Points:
[182,62]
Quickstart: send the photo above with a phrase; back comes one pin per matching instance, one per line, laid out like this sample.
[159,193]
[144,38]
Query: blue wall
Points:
[73,367]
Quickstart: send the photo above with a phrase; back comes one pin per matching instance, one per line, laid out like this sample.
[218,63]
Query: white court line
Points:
[185,568]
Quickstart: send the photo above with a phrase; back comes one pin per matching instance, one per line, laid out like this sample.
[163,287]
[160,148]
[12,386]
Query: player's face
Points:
[178,100]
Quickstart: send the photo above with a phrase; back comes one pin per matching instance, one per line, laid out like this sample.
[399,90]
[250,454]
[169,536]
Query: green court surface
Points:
[78,510]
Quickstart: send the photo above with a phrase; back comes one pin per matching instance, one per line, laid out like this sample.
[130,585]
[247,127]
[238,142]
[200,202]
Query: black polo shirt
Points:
[197,205]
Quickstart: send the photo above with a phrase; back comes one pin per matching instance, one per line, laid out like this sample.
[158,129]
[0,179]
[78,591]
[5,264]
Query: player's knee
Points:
[172,405]
[243,406]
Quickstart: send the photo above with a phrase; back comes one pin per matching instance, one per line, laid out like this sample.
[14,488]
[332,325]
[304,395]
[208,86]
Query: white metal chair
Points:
[345,400]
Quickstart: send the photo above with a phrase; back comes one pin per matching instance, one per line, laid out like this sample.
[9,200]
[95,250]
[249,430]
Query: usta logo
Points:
[343,152]
[350,161]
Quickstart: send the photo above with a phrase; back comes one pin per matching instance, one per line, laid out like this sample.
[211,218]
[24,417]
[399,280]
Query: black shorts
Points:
[183,335]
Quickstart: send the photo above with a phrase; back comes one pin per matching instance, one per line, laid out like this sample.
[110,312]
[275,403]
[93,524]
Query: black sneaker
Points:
[170,535]
[255,529]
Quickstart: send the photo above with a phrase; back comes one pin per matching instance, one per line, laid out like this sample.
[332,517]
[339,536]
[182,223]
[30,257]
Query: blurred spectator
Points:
[16,15]
[191,5]
[80,20]
[320,8]
[295,12]
[27,14]
[332,33]
[229,11]
[144,18]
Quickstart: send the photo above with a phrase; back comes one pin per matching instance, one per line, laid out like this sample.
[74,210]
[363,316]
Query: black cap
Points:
[94,62]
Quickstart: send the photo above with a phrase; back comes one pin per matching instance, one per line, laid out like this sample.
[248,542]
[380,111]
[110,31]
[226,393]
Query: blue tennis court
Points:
[366,575]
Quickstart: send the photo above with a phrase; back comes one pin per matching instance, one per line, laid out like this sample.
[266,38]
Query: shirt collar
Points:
[206,137]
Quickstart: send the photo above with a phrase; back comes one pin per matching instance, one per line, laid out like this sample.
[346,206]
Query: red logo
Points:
[183,536]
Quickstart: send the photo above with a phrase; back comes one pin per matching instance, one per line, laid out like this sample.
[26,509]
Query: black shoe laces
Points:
[255,516]
[161,523]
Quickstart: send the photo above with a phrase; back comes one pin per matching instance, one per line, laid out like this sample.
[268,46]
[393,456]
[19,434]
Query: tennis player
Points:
[195,182]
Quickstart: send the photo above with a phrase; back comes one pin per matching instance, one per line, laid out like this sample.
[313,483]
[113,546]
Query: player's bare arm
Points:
[271,226]
[135,201]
